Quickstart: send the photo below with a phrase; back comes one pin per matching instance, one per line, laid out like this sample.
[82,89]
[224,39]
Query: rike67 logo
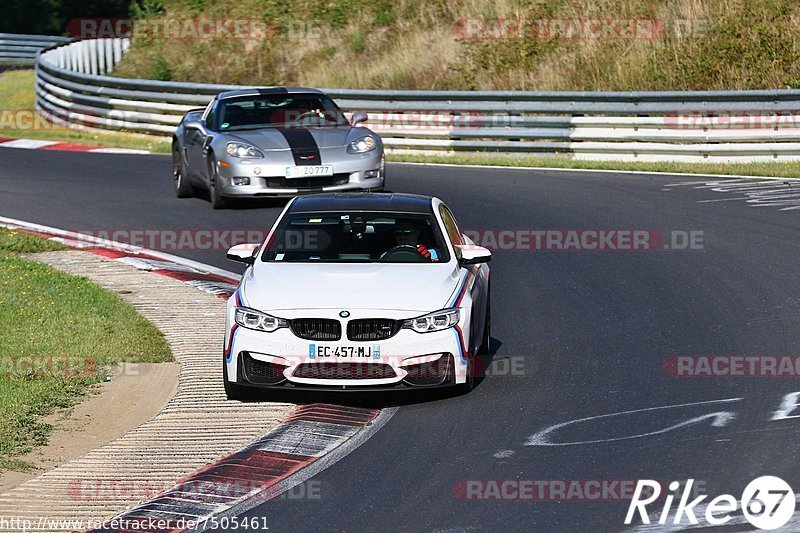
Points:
[767,502]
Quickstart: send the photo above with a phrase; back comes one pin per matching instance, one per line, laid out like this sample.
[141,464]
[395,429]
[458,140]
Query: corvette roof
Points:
[268,91]
[390,202]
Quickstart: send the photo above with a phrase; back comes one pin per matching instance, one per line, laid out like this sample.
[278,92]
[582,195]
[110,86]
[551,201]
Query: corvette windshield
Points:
[278,111]
[357,237]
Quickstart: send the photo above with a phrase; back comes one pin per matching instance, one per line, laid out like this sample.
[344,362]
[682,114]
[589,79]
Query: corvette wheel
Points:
[179,181]
[217,200]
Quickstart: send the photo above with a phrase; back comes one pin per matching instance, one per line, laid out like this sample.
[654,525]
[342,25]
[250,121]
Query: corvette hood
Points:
[403,287]
[274,139]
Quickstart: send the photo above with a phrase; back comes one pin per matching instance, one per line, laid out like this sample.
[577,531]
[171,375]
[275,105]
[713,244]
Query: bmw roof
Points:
[255,91]
[390,202]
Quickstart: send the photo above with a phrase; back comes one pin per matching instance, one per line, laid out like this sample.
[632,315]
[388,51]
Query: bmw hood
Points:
[279,139]
[420,288]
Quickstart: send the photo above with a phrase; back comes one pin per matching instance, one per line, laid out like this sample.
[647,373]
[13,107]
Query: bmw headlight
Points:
[362,144]
[252,319]
[243,150]
[437,321]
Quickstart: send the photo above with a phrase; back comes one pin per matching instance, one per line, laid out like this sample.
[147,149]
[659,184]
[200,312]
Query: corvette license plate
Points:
[309,171]
[316,351]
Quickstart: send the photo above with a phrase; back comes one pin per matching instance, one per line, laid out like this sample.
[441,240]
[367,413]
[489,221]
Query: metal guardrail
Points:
[72,87]
[21,49]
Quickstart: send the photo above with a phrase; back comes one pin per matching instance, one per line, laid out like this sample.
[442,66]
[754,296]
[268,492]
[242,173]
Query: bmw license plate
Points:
[309,171]
[316,351]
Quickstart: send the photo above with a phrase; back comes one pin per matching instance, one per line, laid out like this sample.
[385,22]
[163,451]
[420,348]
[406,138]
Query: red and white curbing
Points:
[37,144]
[253,475]
[311,439]
[205,277]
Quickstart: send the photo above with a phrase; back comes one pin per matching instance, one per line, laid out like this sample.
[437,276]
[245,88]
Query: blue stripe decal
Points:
[240,297]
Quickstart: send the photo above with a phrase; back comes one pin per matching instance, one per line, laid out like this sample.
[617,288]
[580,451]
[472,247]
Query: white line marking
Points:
[602,171]
[129,151]
[27,143]
[720,419]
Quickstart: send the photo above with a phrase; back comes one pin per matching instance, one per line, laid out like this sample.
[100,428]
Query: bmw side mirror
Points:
[473,255]
[196,125]
[358,118]
[243,253]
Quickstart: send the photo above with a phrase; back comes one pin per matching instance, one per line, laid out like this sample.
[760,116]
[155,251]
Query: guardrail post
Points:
[92,53]
[109,50]
[117,51]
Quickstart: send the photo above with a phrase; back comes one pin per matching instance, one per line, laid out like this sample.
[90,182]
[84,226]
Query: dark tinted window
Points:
[282,111]
[357,237]
[210,117]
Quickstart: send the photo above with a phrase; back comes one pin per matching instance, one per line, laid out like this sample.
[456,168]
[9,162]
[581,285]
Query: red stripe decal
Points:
[463,289]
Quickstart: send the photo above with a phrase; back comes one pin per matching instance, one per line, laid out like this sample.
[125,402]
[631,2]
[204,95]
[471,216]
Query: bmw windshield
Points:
[357,237]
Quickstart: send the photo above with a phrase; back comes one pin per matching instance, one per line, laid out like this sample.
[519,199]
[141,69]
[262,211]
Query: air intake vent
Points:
[344,371]
[372,329]
[317,329]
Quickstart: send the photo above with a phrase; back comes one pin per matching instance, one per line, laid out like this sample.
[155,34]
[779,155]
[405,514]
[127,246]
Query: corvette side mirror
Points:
[473,255]
[196,125]
[358,118]
[243,253]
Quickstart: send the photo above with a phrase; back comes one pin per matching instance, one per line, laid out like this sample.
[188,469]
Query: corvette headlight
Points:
[243,150]
[362,144]
[252,319]
[437,321]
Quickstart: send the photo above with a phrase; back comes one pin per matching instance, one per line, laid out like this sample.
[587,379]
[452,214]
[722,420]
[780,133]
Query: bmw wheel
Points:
[486,340]
[234,391]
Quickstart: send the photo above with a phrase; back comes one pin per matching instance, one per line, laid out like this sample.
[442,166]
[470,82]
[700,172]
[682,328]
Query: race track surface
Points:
[578,334]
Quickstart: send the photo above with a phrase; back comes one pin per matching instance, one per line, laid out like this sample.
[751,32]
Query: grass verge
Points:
[19,119]
[59,334]
[768,169]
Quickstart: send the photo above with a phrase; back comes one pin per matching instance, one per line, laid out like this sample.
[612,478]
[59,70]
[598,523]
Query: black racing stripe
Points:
[304,147]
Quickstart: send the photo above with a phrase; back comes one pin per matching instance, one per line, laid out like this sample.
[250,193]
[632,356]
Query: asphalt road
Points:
[587,334]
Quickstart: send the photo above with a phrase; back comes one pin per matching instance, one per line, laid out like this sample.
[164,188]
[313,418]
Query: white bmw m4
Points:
[358,292]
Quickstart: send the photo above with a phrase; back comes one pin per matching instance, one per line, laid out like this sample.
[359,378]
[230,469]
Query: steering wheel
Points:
[404,253]
[307,114]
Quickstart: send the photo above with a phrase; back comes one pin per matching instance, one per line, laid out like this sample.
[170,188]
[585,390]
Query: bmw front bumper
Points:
[406,360]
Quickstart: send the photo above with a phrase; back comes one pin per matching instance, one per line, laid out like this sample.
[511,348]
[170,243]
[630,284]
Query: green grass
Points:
[17,112]
[768,169]
[416,44]
[55,318]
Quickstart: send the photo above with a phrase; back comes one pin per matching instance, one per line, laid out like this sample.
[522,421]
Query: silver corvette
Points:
[274,142]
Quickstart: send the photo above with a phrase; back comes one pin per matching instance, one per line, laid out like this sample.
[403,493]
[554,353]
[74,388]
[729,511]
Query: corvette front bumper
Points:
[256,178]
